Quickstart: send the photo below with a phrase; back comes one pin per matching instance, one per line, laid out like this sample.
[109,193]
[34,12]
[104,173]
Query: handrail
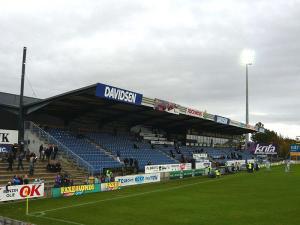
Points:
[80,161]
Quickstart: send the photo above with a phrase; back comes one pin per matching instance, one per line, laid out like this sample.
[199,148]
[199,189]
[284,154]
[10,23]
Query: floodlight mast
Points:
[247,59]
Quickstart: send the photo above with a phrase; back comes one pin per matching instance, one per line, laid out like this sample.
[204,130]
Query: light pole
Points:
[247,104]
[247,59]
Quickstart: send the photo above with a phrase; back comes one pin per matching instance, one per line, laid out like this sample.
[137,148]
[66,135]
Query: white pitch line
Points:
[127,196]
[57,220]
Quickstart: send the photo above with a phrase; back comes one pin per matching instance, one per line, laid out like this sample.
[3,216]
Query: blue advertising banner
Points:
[295,148]
[5,148]
[222,120]
[118,94]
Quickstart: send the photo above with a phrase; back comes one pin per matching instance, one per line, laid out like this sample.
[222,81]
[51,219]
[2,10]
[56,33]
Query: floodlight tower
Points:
[247,58]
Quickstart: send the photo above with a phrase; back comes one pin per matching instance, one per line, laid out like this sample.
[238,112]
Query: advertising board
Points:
[295,148]
[194,113]
[200,156]
[202,165]
[111,186]
[222,120]
[186,173]
[138,179]
[5,148]
[18,192]
[264,149]
[167,167]
[9,137]
[118,94]
[166,106]
[75,190]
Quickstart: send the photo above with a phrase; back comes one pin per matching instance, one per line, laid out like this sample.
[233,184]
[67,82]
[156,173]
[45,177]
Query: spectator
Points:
[27,155]
[10,161]
[32,161]
[41,150]
[131,162]
[96,180]
[48,153]
[55,150]
[26,180]
[126,161]
[136,165]
[20,160]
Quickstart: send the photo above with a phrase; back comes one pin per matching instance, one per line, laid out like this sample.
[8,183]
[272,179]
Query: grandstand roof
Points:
[11,101]
[84,106]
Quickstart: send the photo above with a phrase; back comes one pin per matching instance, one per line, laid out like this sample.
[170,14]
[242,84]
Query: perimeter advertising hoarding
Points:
[295,150]
[75,190]
[202,165]
[186,173]
[138,179]
[5,148]
[167,168]
[18,192]
[118,94]
[194,113]
[166,106]
[9,137]
[111,186]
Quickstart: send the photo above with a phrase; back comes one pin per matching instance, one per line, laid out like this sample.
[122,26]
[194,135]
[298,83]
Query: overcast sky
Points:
[185,51]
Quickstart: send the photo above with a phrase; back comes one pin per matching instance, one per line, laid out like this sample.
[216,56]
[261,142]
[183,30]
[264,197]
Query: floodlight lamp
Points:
[247,57]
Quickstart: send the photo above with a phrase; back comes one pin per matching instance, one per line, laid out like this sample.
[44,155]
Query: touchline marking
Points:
[127,196]
[55,219]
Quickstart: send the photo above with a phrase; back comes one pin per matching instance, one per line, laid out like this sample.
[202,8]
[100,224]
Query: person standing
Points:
[48,153]
[55,150]
[41,150]
[31,165]
[10,161]
[20,160]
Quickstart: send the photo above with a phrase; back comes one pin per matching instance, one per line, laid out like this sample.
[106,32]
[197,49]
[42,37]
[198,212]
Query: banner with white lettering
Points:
[5,148]
[200,156]
[118,94]
[166,106]
[222,120]
[167,168]
[264,149]
[9,137]
[18,192]
[138,179]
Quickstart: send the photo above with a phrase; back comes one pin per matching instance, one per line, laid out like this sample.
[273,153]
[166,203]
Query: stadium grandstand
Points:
[102,126]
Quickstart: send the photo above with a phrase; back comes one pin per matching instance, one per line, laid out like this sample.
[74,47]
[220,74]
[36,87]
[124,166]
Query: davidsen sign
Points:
[118,94]
[264,149]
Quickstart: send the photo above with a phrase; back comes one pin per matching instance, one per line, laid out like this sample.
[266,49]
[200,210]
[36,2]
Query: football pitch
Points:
[262,198]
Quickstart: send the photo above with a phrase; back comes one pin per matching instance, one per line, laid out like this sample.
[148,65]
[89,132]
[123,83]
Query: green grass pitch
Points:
[262,198]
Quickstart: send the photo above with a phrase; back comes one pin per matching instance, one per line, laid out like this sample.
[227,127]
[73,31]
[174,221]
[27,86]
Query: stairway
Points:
[40,172]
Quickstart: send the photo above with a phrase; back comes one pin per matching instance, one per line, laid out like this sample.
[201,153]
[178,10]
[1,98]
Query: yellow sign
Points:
[112,186]
[79,188]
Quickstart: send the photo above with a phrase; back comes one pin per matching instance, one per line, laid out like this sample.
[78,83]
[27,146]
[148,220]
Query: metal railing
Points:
[40,133]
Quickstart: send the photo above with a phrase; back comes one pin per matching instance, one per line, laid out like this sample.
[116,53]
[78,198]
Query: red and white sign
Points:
[194,112]
[18,192]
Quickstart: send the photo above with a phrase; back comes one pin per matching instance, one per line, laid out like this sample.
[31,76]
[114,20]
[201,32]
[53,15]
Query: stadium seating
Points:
[124,145]
[86,150]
